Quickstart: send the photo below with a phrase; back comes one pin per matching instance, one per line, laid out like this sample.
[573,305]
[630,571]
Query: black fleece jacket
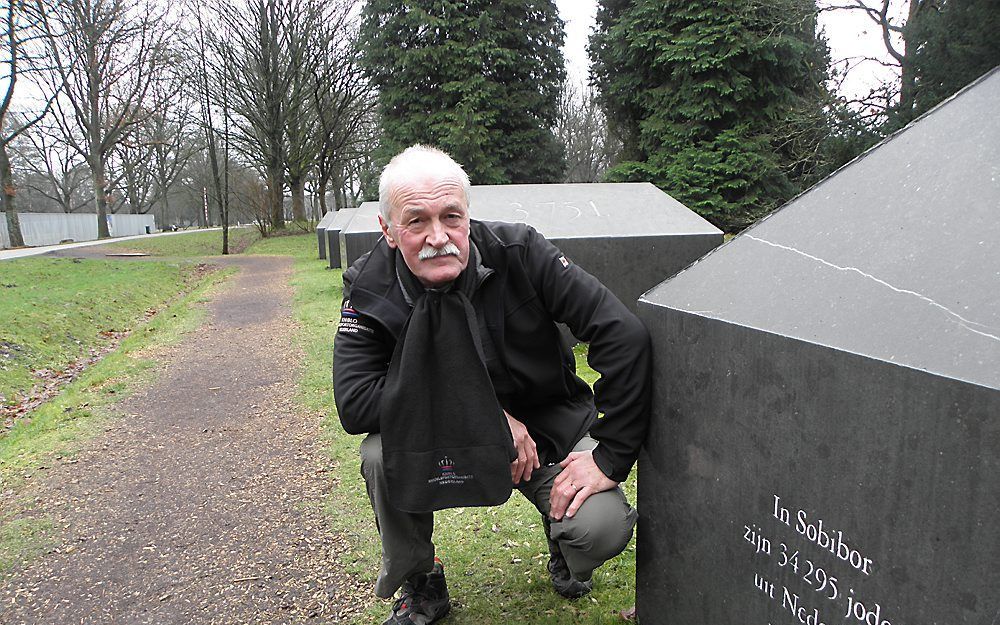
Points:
[526,285]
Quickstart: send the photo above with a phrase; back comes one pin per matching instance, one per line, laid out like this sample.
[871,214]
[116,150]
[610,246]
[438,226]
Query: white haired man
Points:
[449,358]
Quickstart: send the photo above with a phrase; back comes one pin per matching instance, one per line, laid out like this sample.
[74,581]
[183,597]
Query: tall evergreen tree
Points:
[477,78]
[718,102]
[951,42]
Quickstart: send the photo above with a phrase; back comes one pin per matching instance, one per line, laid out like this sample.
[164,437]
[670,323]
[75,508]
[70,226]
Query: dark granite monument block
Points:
[342,218]
[825,442]
[362,233]
[628,235]
[321,232]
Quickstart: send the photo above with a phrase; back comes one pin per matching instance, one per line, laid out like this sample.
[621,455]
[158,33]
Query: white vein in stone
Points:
[962,321]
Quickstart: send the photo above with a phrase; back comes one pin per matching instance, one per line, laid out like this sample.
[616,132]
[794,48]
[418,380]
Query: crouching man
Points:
[449,358]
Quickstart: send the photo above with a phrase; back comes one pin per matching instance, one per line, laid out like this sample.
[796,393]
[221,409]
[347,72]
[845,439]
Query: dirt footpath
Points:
[202,505]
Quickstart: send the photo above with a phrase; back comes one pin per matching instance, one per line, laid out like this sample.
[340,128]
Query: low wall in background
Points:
[51,228]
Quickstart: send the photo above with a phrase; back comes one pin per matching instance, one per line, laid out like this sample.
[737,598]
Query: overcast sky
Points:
[851,36]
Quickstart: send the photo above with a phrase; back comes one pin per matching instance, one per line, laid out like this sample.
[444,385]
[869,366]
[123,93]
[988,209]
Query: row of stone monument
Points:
[628,235]
[825,441]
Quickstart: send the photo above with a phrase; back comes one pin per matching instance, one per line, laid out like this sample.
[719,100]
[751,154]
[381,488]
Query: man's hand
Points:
[580,478]
[527,453]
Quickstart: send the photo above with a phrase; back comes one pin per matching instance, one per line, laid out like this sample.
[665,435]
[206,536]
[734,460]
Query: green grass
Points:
[56,310]
[495,557]
[296,245]
[55,313]
[23,539]
[188,244]
[57,425]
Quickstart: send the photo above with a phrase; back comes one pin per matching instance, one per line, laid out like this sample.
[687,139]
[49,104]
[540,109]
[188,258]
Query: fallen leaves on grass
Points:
[51,382]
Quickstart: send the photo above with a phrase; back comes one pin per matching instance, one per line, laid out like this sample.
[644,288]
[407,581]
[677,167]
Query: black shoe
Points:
[424,599]
[562,580]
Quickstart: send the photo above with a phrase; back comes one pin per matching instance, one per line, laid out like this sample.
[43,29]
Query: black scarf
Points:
[445,441]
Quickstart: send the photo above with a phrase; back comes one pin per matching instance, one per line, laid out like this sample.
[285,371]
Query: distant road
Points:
[42,249]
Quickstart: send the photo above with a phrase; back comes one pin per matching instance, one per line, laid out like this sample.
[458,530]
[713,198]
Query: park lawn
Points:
[188,244]
[55,311]
[494,557]
[295,245]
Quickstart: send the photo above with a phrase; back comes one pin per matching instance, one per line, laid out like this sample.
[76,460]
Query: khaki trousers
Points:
[599,531]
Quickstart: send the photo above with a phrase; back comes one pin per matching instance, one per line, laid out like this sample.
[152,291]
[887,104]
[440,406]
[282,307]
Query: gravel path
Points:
[202,504]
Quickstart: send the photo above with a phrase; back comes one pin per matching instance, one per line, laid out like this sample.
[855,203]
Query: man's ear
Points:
[385,232]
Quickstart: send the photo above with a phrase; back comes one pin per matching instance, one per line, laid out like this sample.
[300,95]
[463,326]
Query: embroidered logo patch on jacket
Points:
[351,322]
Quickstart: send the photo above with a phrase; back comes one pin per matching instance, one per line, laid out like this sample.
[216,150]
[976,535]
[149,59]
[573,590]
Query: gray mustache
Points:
[428,252]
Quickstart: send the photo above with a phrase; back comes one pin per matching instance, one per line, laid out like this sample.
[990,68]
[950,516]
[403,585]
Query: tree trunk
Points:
[166,210]
[907,78]
[225,173]
[213,159]
[321,191]
[100,194]
[276,196]
[203,209]
[298,188]
[225,230]
[133,198]
[7,180]
[340,196]
[340,188]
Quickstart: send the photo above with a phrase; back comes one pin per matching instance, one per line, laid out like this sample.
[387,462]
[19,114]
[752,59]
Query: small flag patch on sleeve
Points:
[564,261]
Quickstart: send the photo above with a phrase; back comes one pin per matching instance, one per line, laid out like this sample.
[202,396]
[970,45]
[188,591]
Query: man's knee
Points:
[601,529]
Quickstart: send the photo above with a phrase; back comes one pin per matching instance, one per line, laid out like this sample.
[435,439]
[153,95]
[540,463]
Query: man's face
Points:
[430,226]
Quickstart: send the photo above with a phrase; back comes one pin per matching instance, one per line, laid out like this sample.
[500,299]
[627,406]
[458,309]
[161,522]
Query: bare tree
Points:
[251,198]
[295,92]
[344,104]
[194,187]
[51,169]
[361,170]
[210,79]
[109,54]
[306,39]
[252,44]
[891,18]
[173,144]
[148,161]
[23,32]
[130,174]
[583,132]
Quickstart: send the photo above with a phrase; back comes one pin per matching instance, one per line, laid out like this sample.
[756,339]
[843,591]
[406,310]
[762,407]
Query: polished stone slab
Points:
[342,218]
[361,235]
[321,232]
[628,235]
[825,441]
